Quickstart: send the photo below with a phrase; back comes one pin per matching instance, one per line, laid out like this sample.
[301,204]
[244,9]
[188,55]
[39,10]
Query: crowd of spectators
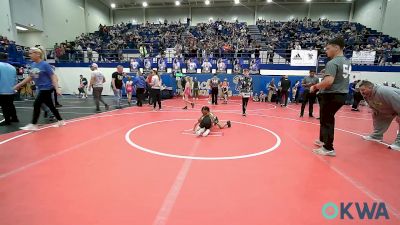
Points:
[307,34]
[219,38]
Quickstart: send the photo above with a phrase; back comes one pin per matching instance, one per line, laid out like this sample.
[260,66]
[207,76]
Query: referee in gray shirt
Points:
[333,90]
[307,95]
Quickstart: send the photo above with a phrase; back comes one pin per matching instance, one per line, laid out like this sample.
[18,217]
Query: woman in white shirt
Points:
[156,89]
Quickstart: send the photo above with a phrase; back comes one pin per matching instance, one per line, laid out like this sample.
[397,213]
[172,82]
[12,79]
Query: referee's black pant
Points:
[330,103]
[214,95]
[308,97]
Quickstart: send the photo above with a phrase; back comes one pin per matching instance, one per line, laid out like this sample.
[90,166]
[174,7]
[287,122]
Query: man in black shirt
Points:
[117,84]
[285,84]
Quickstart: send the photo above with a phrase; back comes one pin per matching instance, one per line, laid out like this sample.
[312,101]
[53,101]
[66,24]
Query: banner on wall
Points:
[254,66]
[206,66]
[177,64]
[162,64]
[191,65]
[221,65]
[237,66]
[135,65]
[147,65]
[304,58]
[363,57]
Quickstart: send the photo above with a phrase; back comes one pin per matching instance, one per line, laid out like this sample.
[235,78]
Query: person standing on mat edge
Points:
[357,97]
[156,89]
[117,84]
[186,93]
[245,89]
[140,82]
[96,82]
[333,91]
[285,85]
[307,95]
[385,104]
[8,79]
[214,83]
[46,81]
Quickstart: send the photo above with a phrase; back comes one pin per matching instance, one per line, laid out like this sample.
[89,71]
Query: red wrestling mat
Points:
[136,166]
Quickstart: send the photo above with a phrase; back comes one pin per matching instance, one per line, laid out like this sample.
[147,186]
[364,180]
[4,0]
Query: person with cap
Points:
[309,97]
[385,104]
[97,80]
[332,90]
[8,79]
[245,88]
[46,81]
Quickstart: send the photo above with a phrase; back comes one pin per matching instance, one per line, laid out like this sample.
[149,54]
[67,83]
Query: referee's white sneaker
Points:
[394,147]
[319,143]
[30,127]
[60,123]
[370,138]
[324,151]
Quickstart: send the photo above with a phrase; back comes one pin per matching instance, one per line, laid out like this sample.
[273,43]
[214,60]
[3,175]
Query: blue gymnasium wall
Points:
[259,81]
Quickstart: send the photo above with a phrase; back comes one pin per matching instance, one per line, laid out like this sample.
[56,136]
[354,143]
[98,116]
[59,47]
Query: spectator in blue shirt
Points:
[46,81]
[140,82]
[8,79]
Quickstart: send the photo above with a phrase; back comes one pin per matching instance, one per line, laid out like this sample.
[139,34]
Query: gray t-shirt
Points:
[340,68]
[98,78]
[309,80]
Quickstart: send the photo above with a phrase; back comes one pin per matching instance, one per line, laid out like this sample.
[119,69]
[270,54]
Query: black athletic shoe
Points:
[184,107]
[301,115]
[244,114]
[107,107]
[58,105]
[229,123]
[14,120]
[310,116]
[192,104]
[4,123]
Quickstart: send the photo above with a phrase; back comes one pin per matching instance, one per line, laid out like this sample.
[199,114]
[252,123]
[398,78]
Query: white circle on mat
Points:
[132,143]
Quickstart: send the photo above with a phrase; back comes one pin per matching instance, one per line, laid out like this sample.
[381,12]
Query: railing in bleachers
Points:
[277,56]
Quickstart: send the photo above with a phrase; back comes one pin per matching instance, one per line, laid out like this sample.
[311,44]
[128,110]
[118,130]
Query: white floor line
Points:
[169,201]
[54,155]
[352,181]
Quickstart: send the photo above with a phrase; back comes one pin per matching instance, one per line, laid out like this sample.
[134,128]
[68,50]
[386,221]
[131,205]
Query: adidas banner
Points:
[304,58]
[363,57]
